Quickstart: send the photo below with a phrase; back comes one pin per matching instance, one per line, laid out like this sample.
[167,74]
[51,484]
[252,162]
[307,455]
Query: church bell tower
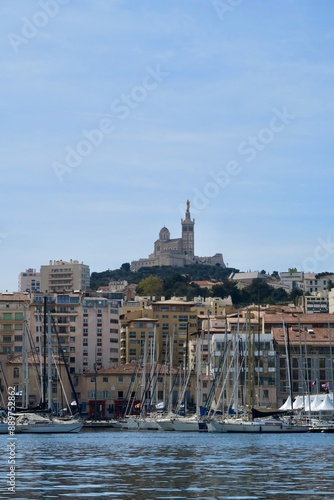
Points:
[188,233]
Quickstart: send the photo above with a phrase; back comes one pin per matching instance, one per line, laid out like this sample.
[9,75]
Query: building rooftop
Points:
[315,336]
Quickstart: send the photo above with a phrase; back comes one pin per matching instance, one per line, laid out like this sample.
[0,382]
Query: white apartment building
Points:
[313,283]
[291,279]
[61,276]
[316,302]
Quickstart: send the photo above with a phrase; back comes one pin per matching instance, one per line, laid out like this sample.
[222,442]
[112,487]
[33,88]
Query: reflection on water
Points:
[154,465]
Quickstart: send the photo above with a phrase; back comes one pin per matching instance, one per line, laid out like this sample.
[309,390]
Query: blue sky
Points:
[115,112]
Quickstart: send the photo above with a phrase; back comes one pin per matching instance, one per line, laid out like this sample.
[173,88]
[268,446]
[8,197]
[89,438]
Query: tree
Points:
[149,286]
[125,267]
[295,294]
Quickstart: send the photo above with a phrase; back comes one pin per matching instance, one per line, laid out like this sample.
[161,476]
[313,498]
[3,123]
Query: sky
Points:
[114,113]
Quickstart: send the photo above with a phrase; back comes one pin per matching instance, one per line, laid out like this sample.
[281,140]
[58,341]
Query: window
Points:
[7,339]
[18,338]
[63,299]
[16,372]
[72,339]
[105,379]
[120,379]
[120,394]
[7,316]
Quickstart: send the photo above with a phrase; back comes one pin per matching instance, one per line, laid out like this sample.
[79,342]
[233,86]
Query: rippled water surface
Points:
[154,465]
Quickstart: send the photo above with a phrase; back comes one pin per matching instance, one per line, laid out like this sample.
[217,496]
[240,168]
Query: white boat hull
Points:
[263,426]
[191,425]
[49,428]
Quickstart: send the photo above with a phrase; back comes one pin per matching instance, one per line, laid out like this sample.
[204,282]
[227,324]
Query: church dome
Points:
[164,234]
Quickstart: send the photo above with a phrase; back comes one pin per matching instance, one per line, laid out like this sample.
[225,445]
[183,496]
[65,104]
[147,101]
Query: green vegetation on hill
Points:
[179,281]
[195,272]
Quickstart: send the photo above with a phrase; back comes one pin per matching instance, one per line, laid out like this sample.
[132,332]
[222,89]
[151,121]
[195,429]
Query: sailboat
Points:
[43,421]
[263,424]
[36,423]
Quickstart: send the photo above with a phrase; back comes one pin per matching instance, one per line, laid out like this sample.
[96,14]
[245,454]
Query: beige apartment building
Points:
[29,281]
[60,276]
[84,332]
[14,315]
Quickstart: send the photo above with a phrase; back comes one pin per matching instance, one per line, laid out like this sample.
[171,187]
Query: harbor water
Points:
[169,465]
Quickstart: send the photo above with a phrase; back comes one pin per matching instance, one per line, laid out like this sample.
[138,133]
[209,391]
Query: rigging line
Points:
[35,354]
[61,382]
[60,349]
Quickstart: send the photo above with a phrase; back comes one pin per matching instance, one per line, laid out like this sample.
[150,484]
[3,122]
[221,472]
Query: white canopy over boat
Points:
[299,403]
[326,405]
[286,405]
[315,403]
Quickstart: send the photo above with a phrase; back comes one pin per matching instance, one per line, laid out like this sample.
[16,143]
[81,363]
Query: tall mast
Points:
[25,368]
[44,356]
[288,354]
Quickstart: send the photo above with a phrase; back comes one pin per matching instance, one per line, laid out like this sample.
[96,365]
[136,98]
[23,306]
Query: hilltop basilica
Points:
[177,251]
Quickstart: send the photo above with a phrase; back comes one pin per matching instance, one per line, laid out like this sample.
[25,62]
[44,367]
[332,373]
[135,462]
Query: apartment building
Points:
[313,283]
[14,310]
[291,279]
[139,340]
[307,282]
[116,391]
[177,319]
[315,302]
[14,315]
[251,372]
[311,358]
[29,281]
[60,276]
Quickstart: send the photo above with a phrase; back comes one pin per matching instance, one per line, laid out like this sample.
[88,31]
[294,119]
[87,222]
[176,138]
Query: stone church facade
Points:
[177,252]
